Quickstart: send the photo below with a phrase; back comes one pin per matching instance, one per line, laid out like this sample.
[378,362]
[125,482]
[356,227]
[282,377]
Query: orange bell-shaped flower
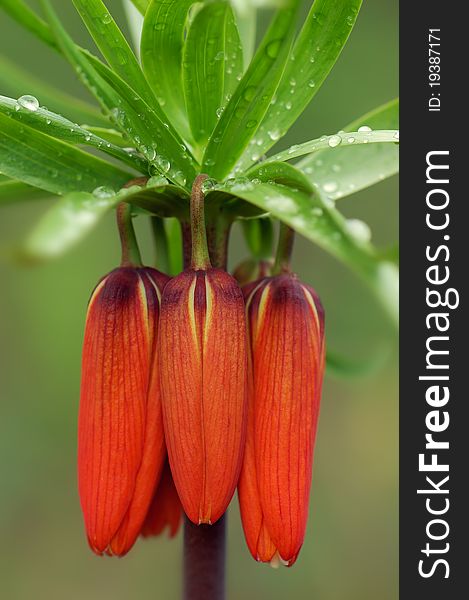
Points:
[286,336]
[120,431]
[203,379]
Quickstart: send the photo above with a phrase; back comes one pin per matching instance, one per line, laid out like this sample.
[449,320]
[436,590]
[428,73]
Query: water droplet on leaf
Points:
[27,102]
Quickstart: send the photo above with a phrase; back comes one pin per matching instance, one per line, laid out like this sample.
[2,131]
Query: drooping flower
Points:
[203,378]
[165,508]
[120,432]
[286,336]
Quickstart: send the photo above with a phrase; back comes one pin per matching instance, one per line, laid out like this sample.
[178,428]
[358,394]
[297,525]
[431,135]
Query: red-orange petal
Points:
[120,437]
[165,508]
[203,386]
[286,331]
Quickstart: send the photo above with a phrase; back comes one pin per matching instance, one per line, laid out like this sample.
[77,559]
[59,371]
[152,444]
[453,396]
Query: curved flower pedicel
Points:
[120,431]
[286,335]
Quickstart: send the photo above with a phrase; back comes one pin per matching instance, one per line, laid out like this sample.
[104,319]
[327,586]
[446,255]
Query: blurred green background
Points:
[350,551]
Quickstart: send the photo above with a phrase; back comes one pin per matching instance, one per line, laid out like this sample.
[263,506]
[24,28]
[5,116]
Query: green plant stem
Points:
[218,236]
[160,238]
[130,252]
[200,257]
[284,250]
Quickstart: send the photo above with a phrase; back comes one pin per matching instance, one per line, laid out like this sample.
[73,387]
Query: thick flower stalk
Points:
[120,431]
[203,378]
[286,336]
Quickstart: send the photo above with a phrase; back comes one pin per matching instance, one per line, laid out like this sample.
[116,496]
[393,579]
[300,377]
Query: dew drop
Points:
[180,178]
[396,135]
[249,93]
[350,140]
[273,48]
[208,185]
[281,203]
[359,230]
[311,83]
[162,163]
[330,187]
[288,105]
[102,192]
[251,123]
[157,181]
[149,152]
[364,129]
[220,55]
[219,111]
[28,102]
[334,141]
[274,134]
[107,19]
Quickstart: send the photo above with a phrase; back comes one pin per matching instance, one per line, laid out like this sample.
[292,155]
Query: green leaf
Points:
[65,224]
[16,81]
[22,14]
[161,52]
[246,18]
[348,169]
[76,214]
[212,63]
[131,114]
[135,23]
[113,46]
[52,165]
[314,53]
[341,139]
[173,231]
[141,5]
[59,127]
[259,237]
[318,221]
[246,109]
[110,135]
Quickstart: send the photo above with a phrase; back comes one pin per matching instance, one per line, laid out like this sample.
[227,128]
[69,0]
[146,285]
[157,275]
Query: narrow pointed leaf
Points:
[141,5]
[86,63]
[346,170]
[25,16]
[113,46]
[131,114]
[250,101]
[161,52]
[59,127]
[352,138]
[110,135]
[68,221]
[212,63]
[77,213]
[319,222]
[17,82]
[52,165]
[314,53]
[246,18]
[135,23]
